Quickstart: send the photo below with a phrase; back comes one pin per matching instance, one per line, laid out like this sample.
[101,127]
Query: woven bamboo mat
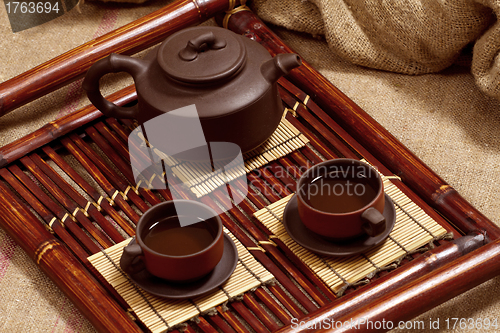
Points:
[160,314]
[202,180]
[413,229]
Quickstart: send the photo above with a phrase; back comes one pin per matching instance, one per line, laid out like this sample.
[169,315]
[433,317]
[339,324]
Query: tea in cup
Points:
[342,199]
[179,241]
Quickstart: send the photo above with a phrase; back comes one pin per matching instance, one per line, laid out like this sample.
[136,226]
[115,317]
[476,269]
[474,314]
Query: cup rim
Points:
[172,202]
[335,161]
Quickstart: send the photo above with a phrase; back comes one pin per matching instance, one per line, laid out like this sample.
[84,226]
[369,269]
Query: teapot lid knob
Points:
[202,55]
[200,44]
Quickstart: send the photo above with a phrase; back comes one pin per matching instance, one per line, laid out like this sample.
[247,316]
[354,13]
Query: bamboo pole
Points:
[430,290]
[54,258]
[60,127]
[129,39]
[428,263]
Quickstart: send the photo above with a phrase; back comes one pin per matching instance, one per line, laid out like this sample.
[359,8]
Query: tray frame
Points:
[443,272]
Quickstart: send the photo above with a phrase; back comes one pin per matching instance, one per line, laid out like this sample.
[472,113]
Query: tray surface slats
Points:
[81,186]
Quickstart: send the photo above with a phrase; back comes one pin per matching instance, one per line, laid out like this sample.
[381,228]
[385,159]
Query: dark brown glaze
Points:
[202,66]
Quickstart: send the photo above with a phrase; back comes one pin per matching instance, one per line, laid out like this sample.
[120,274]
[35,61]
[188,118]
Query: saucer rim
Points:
[341,250]
[229,246]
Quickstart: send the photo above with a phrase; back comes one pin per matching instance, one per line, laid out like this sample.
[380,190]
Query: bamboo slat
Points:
[159,314]
[56,227]
[122,164]
[248,317]
[205,326]
[84,207]
[101,179]
[263,316]
[58,214]
[54,258]
[217,321]
[76,214]
[271,304]
[99,202]
[232,320]
[95,162]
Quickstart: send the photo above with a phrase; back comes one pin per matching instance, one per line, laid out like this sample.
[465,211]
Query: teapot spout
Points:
[280,65]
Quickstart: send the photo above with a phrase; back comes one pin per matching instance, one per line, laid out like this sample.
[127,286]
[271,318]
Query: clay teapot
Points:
[230,78]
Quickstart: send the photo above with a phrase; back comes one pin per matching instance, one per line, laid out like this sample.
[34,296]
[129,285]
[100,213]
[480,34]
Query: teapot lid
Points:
[202,55]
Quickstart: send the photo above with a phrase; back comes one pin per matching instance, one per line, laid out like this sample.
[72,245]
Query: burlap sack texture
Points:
[409,37]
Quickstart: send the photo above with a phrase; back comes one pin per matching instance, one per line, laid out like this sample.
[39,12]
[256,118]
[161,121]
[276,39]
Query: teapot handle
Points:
[114,63]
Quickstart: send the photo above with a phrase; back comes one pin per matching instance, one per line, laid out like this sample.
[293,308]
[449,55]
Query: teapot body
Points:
[244,110]
[229,78]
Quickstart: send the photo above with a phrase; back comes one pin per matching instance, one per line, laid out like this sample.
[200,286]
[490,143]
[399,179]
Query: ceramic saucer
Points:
[311,241]
[218,276]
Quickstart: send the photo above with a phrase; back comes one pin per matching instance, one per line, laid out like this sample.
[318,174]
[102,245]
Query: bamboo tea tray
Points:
[66,194]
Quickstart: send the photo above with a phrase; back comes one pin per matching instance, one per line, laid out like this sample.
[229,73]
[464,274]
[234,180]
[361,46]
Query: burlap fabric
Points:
[409,37]
[443,117]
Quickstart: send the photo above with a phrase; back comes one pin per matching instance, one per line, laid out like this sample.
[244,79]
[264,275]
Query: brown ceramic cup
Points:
[179,241]
[342,199]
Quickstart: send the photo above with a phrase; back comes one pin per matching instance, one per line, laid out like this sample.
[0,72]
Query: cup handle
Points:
[374,222]
[132,259]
